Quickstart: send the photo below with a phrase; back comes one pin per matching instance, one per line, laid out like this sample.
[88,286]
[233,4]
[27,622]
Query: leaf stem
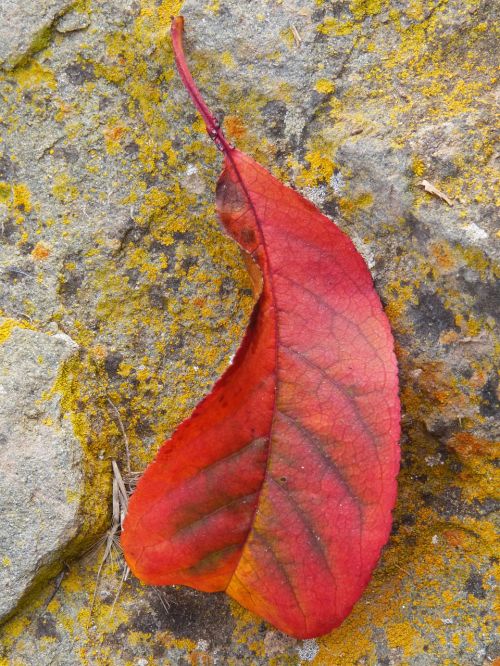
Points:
[211,123]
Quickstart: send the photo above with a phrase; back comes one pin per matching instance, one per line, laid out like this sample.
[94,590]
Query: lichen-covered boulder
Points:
[108,234]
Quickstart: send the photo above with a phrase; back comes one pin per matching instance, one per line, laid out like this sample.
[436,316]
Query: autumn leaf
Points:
[279,488]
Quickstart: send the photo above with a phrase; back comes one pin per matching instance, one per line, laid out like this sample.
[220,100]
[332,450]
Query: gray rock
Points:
[25,27]
[108,232]
[72,21]
[40,461]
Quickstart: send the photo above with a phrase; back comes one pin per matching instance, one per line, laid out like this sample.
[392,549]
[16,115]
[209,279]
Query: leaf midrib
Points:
[229,156]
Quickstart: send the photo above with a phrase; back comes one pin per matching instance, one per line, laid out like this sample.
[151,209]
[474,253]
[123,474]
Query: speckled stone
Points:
[41,482]
[25,27]
[107,201]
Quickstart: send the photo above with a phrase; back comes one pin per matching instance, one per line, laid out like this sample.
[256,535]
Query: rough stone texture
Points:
[72,21]
[108,234]
[41,481]
[25,27]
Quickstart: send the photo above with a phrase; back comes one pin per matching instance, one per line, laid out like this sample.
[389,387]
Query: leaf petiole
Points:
[211,123]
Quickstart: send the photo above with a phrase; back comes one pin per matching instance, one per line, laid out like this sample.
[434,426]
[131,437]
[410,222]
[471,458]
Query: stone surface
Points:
[108,234]
[25,27]
[41,480]
[72,21]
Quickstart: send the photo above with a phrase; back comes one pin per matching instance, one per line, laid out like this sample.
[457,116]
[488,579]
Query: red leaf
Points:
[279,488]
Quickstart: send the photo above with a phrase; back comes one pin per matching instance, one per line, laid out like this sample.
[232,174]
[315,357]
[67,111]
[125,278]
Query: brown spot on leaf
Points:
[230,195]
[247,236]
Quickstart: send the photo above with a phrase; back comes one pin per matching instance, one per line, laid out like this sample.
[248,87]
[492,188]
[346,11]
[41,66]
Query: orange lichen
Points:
[443,255]
[41,251]
[234,127]
[468,446]
[113,136]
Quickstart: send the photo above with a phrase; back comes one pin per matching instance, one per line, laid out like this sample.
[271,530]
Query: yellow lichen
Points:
[418,166]
[336,27]
[7,326]
[213,6]
[80,397]
[33,75]
[362,8]
[321,168]
[65,188]
[350,204]
[403,635]
[227,59]
[324,86]
[21,197]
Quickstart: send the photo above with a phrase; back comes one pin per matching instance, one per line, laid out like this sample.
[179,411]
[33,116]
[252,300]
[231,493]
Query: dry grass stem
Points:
[296,35]
[111,539]
[432,189]
[122,429]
